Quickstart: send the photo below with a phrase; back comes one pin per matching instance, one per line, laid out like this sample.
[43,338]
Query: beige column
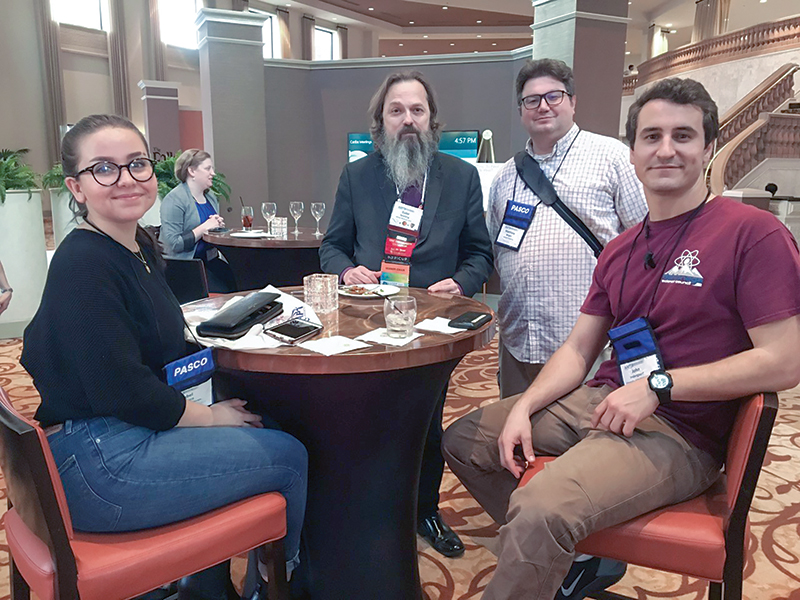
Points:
[590,37]
[234,99]
[161,118]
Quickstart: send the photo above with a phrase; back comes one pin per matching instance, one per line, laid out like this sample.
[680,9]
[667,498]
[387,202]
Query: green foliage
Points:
[165,173]
[15,174]
[54,178]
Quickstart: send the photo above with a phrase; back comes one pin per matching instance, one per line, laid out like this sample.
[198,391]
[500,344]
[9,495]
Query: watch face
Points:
[659,381]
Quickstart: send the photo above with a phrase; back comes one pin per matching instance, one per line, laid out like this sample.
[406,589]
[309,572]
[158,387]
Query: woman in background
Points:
[132,451]
[189,211]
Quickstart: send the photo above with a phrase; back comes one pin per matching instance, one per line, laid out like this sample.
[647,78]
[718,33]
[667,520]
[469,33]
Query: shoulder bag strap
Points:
[531,173]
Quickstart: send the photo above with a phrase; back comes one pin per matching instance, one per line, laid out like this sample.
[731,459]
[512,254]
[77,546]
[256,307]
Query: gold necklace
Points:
[138,254]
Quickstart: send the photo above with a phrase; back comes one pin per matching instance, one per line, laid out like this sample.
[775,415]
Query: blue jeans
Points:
[121,477]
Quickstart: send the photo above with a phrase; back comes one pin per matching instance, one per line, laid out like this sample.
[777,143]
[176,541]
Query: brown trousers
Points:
[599,479]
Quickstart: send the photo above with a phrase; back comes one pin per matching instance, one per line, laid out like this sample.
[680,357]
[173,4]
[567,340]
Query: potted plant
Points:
[63,219]
[22,242]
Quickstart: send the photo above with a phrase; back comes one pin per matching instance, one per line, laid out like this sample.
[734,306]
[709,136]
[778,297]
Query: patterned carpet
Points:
[773,566]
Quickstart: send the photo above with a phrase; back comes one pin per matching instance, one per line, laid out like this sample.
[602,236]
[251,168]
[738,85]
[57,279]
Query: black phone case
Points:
[234,321]
[470,320]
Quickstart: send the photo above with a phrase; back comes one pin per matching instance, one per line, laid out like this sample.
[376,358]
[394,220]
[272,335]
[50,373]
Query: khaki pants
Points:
[599,479]
[514,376]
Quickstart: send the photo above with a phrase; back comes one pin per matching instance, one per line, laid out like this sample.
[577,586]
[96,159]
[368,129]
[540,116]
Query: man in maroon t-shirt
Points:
[714,286]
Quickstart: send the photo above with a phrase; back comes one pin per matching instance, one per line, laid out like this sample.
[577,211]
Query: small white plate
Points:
[256,233]
[371,290]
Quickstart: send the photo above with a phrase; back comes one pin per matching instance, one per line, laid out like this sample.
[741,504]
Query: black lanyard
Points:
[553,179]
[684,228]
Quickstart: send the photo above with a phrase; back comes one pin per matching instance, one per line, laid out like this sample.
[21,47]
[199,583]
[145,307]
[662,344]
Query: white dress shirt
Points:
[544,283]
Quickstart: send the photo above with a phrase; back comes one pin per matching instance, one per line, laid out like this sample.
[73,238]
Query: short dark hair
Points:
[677,91]
[545,67]
[379,99]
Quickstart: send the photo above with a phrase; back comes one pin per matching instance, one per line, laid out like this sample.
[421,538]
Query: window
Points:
[176,18]
[326,44]
[270,34]
[85,13]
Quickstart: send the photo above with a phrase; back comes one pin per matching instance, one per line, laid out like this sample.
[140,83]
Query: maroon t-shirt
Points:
[735,267]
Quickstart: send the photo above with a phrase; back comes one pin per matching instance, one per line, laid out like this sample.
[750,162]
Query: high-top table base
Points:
[365,435]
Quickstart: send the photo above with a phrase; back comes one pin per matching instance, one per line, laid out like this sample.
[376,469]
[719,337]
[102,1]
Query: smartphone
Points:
[294,331]
[470,320]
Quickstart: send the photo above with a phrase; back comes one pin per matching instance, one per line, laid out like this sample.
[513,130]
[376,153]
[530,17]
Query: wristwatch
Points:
[661,383]
[3,291]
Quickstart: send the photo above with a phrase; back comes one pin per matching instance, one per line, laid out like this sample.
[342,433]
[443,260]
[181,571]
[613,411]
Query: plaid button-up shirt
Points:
[544,284]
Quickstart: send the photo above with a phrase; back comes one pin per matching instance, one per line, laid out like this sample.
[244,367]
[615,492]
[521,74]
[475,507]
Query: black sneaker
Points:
[589,576]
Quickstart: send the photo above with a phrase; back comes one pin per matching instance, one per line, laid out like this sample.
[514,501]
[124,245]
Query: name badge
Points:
[399,245]
[395,274]
[405,217]
[636,348]
[516,221]
[191,376]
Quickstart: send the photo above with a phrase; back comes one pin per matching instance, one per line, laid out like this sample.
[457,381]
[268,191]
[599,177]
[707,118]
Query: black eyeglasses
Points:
[107,173]
[553,98]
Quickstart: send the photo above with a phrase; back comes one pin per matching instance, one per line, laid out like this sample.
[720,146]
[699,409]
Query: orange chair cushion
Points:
[686,538]
[116,566]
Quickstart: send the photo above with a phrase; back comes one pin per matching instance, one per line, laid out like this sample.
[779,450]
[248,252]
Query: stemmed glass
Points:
[296,209]
[268,211]
[317,211]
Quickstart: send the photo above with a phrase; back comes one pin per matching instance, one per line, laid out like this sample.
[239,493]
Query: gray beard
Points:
[407,158]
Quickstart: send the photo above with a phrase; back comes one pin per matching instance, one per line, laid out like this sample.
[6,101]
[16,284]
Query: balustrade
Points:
[752,41]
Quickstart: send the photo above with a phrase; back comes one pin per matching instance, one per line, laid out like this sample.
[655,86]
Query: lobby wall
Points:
[310,111]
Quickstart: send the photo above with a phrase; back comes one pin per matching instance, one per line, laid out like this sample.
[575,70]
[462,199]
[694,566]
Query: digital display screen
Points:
[463,144]
[294,329]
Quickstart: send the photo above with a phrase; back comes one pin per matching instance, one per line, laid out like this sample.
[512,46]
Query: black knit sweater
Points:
[103,332]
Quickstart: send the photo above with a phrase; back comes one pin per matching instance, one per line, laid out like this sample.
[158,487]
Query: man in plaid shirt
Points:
[544,281]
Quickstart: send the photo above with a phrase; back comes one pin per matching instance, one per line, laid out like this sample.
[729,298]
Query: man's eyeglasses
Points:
[108,173]
[553,98]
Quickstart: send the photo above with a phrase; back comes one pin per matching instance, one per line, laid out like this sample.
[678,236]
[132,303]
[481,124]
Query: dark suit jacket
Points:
[453,240]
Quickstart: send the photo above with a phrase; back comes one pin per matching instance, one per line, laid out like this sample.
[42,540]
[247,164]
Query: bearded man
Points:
[442,243]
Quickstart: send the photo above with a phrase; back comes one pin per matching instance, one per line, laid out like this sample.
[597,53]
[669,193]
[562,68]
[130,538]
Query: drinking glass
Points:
[320,292]
[317,211]
[247,218]
[400,315]
[268,211]
[296,209]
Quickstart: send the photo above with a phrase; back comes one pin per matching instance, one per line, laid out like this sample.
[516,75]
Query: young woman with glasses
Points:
[132,452]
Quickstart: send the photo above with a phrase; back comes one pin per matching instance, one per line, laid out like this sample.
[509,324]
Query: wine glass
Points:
[296,209]
[247,218]
[268,211]
[317,210]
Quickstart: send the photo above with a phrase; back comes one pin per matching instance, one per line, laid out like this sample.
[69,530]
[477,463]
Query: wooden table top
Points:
[354,317]
[306,239]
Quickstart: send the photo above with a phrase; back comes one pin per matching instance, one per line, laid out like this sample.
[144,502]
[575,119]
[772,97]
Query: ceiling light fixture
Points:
[411,22]
[424,51]
[399,44]
[668,25]
[370,8]
[444,8]
[425,36]
[479,22]
[627,52]
[479,35]
[452,43]
[494,43]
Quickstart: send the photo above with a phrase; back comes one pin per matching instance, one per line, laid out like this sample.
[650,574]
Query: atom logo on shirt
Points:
[685,271]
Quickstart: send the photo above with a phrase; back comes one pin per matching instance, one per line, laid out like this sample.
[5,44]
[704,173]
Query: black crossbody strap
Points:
[531,173]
